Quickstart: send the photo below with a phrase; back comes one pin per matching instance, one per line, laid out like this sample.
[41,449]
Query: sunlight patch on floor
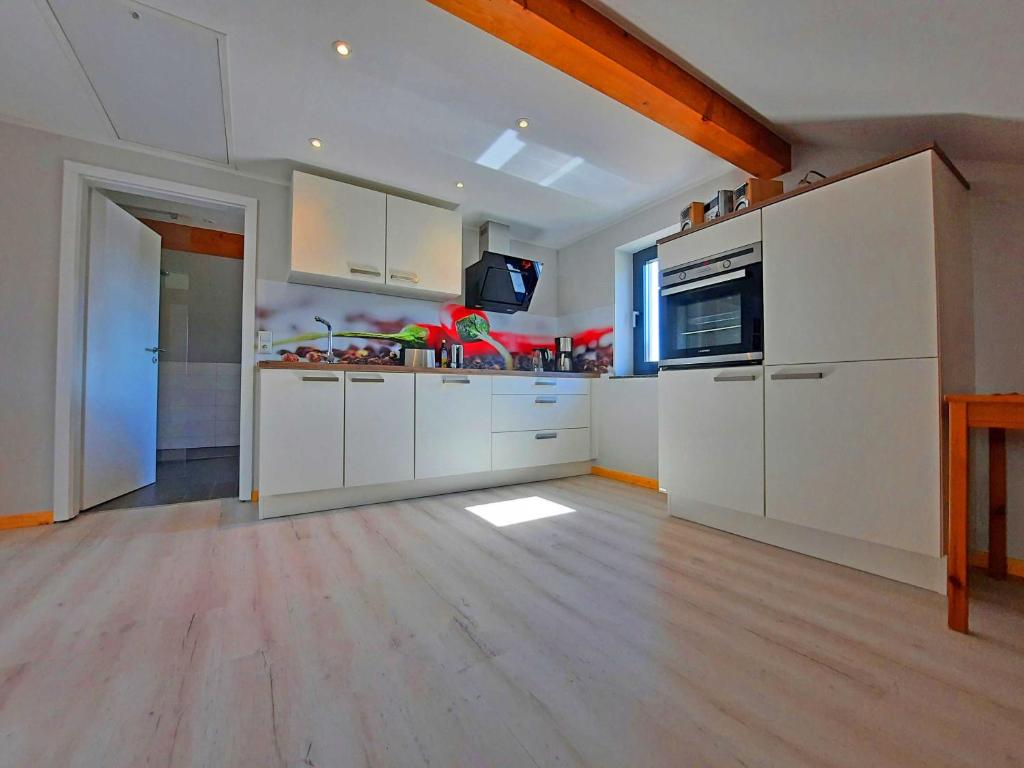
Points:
[515,511]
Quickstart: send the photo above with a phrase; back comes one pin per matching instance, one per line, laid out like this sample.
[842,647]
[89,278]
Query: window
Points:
[645,311]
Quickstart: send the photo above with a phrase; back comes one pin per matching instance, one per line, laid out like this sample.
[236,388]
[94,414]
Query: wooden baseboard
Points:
[979,559]
[626,477]
[255,495]
[26,520]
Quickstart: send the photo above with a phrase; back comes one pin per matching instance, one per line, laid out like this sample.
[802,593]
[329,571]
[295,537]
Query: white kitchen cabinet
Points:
[541,385]
[517,450]
[302,431]
[849,269]
[424,248]
[853,449]
[734,233]
[514,413]
[338,233]
[711,438]
[453,424]
[379,427]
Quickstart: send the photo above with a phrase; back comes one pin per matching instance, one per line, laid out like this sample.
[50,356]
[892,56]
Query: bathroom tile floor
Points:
[198,479]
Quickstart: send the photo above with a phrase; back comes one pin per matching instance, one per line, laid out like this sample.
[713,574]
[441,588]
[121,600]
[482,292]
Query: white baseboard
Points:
[897,564]
[341,498]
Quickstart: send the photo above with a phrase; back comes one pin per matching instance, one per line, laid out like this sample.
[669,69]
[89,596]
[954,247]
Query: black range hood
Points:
[499,283]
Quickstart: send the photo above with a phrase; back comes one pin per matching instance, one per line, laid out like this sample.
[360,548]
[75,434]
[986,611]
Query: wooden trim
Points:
[25,520]
[303,366]
[210,242]
[577,39]
[255,496]
[625,477]
[803,189]
[1014,566]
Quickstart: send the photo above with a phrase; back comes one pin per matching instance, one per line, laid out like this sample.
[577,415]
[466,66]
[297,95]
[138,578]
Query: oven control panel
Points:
[722,262]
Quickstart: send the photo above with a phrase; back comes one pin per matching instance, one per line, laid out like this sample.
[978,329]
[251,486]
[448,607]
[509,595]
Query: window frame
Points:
[641,366]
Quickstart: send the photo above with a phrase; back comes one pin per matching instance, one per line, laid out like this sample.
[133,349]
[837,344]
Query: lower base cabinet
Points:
[853,449]
[301,431]
[453,424]
[517,450]
[379,428]
[716,455]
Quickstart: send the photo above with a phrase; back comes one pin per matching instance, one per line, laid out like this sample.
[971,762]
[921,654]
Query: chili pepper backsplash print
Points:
[372,329]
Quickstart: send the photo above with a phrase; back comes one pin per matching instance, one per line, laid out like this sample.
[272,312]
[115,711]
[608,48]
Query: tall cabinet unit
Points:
[868,321]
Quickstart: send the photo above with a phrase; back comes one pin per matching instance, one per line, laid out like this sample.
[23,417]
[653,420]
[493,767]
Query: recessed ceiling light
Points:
[523,122]
[316,143]
[459,184]
[343,48]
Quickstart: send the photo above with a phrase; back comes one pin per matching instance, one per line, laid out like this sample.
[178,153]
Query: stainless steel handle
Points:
[545,400]
[797,375]
[455,379]
[545,436]
[409,277]
[367,379]
[735,377]
[359,269]
[155,349]
[334,379]
[543,383]
[739,273]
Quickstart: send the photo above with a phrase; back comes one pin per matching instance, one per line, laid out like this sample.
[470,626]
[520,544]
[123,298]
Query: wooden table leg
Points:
[956,574]
[997,503]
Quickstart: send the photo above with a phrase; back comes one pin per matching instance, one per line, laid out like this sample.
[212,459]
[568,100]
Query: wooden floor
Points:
[417,633]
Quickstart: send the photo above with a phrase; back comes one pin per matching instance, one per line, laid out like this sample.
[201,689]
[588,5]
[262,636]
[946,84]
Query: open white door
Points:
[122,333]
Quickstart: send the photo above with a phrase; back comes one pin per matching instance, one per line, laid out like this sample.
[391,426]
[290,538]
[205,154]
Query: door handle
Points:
[545,436]
[155,349]
[321,378]
[409,277]
[455,379]
[545,400]
[736,377]
[797,375]
[359,269]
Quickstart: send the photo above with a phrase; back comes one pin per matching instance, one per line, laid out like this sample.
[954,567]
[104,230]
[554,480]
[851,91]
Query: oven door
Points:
[713,320]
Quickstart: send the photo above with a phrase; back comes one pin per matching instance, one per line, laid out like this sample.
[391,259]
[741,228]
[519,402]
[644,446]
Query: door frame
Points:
[79,179]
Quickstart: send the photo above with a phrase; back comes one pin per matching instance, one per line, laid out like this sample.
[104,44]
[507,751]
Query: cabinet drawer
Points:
[514,450]
[529,385]
[743,230]
[514,413]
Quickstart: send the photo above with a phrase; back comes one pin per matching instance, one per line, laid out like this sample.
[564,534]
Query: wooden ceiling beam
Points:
[588,46]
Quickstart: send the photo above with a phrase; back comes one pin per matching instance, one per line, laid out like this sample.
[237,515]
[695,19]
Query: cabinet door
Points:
[849,269]
[424,248]
[711,438]
[453,424]
[379,427]
[338,232]
[302,431]
[734,233]
[853,448]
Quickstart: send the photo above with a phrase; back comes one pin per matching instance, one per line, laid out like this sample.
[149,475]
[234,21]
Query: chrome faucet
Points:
[329,354]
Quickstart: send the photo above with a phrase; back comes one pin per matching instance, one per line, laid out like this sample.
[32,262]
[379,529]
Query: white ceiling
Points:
[424,97]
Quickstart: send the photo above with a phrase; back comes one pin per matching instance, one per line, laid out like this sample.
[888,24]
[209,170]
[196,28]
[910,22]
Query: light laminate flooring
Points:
[417,633]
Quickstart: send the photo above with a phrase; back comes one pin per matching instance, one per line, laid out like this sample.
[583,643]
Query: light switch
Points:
[264,342]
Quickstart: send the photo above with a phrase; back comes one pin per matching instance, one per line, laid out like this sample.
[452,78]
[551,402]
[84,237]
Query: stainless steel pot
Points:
[418,358]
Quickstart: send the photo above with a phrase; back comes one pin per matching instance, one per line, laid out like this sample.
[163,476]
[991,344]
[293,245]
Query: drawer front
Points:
[515,450]
[529,385]
[516,413]
[735,233]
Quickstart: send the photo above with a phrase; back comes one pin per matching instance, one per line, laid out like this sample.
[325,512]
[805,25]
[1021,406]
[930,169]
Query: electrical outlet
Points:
[265,342]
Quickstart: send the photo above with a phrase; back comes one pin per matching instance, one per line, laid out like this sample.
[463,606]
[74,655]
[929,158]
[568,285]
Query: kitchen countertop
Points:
[356,367]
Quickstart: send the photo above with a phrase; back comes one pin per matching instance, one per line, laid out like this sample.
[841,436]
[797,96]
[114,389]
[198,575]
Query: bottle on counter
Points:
[443,354]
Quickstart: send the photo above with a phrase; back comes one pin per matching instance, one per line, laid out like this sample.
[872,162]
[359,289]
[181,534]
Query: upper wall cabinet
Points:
[345,236]
[424,248]
[338,233]
[850,269]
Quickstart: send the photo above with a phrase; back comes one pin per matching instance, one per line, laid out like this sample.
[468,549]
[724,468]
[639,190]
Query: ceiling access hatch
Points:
[161,80]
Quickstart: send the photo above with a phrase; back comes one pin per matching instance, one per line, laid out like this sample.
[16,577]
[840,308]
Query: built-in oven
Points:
[711,310]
